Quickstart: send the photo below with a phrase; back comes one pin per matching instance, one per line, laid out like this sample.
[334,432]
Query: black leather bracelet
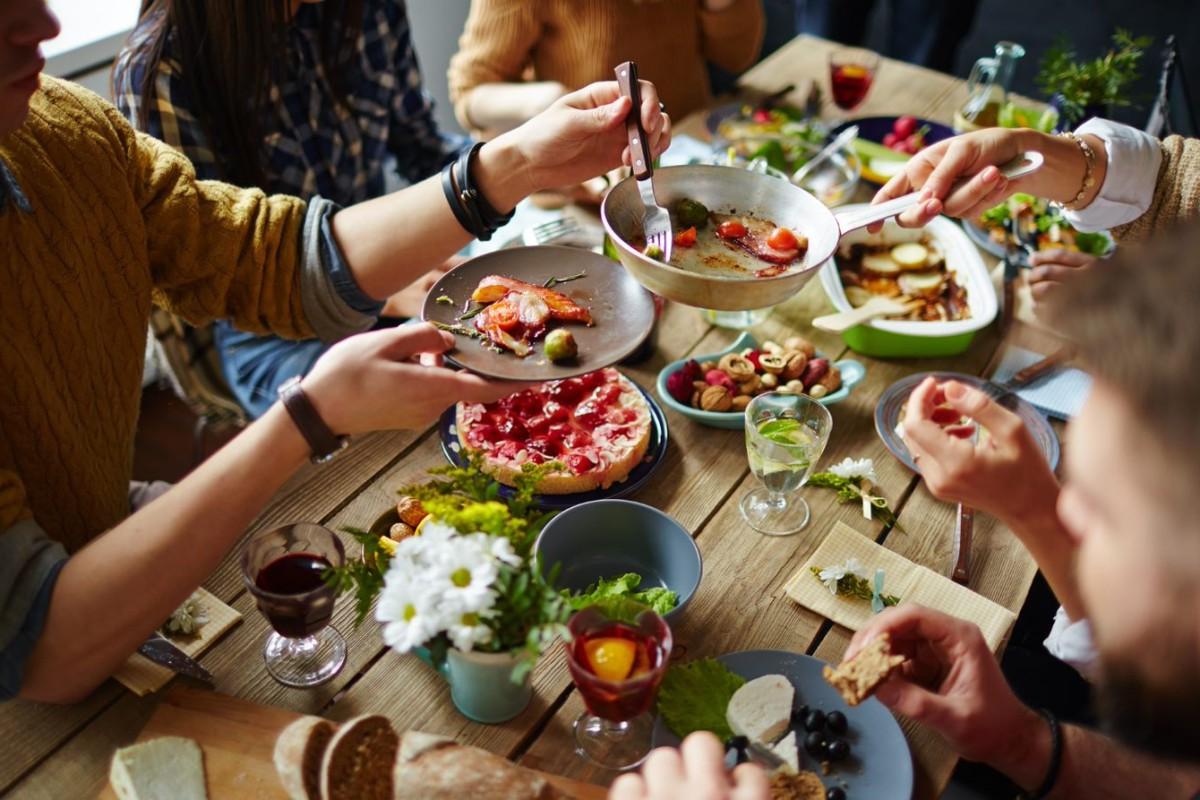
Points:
[492,219]
[1055,765]
[456,205]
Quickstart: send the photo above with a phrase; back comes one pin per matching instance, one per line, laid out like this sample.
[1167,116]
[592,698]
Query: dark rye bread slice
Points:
[360,760]
[858,678]
[435,768]
[299,751]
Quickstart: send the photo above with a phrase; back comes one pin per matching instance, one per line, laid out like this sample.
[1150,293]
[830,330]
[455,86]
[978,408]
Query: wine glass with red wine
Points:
[851,72]
[284,570]
[617,655]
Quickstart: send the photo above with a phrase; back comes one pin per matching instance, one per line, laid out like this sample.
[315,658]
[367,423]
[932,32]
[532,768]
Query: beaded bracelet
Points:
[1089,159]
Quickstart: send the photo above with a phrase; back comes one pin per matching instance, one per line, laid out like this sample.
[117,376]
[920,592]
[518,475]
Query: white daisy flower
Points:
[831,575]
[502,550]
[408,613]
[851,468]
[469,631]
[465,571]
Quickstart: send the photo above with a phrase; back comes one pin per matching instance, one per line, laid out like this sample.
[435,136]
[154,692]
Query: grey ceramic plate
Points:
[891,405]
[622,311]
[880,765]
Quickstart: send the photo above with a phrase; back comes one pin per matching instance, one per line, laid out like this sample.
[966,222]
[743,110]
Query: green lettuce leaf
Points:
[693,697]
[1094,244]
[660,600]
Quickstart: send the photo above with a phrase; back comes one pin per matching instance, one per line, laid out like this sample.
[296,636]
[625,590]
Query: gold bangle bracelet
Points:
[1089,160]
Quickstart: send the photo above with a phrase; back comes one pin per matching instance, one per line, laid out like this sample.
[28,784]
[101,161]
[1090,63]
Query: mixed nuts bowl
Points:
[715,389]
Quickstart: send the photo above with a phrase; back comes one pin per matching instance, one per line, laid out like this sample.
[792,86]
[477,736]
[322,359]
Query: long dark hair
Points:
[228,54]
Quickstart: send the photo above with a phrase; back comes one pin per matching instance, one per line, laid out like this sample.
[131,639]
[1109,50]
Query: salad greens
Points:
[1045,217]
[658,599]
[694,696]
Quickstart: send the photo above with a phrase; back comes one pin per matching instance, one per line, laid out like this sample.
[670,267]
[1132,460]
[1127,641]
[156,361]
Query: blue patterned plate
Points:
[655,452]
[891,405]
[880,764]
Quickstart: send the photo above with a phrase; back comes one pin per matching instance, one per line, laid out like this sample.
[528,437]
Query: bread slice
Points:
[796,786]
[858,678]
[762,708]
[786,749]
[429,768]
[360,761]
[168,768]
[299,751]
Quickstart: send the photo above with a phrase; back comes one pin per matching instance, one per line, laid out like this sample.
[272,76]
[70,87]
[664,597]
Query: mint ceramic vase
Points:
[481,684]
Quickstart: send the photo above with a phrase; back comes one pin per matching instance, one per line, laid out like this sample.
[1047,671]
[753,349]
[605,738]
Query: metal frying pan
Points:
[622,311]
[731,190]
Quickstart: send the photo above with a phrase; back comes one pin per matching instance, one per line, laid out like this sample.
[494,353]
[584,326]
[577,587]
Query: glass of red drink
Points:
[851,72]
[617,655]
[284,570]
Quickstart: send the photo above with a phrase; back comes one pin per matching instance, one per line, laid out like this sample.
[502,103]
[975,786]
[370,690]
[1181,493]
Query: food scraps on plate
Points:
[510,315]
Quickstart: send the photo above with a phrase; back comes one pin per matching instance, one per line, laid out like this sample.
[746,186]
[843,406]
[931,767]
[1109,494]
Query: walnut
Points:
[794,368]
[769,381]
[737,367]
[800,345]
[772,348]
[740,402]
[772,364]
[751,386]
[401,531]
[716,398]
[411,511]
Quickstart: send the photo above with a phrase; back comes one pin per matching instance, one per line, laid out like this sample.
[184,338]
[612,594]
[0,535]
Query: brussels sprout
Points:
[560,345]
[691,214]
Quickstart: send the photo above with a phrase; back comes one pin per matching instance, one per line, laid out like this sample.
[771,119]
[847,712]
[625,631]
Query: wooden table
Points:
[57,752]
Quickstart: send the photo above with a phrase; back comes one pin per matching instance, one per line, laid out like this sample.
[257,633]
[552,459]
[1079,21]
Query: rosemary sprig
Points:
[466,315]
[849,491]
[552,282]
[855,586]
[461,330]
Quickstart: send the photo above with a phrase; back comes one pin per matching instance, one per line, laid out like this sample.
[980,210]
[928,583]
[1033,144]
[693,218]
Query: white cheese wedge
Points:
[761,709]
[787,750]
[169,768]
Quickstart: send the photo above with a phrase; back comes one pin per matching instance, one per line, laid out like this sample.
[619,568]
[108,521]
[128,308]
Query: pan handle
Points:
[1024,164]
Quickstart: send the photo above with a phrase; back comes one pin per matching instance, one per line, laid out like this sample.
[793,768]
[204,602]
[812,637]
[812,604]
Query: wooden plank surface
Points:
[741,605]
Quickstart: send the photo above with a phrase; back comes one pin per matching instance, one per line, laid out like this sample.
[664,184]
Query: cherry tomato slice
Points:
[731,229]
[782,239]
[686,238]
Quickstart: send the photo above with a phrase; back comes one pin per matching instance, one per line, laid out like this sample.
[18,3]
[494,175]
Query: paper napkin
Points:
[1059,393]
[912,583]
[142,676]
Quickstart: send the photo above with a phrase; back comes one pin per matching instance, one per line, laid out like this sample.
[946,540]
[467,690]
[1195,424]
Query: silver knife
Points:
[161,651]
[766,757]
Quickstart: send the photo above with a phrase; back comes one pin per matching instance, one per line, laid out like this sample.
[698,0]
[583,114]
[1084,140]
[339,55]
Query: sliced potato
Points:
[884,286]
[910,255]
[921,284]
[880,264]
[858,296]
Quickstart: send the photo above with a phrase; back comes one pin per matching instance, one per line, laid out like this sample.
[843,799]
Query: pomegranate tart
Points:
[597,426]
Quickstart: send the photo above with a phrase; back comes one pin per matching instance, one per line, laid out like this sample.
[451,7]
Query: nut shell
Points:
[736,366]
[401,531]
[411,511]
[740,402]
[751,386]
[794,368]
[800,345]
[831,380]
[716,398]
[773,364]
[774,348]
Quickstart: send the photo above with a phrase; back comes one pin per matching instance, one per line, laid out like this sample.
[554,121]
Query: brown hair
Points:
[228,53]
[1136,322]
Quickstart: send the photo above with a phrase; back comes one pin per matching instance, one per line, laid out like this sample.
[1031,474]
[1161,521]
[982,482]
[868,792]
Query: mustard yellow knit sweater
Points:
[118,221]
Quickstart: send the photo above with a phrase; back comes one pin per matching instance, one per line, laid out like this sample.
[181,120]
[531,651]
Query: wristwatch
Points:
[325,444]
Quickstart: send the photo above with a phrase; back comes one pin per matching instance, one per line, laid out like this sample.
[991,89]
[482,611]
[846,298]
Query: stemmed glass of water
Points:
[785,437]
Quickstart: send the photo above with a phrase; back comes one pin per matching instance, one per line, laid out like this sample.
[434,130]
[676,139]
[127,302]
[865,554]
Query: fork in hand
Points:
[656,223]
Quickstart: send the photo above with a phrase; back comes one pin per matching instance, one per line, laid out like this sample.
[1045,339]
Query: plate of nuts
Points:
[715,389]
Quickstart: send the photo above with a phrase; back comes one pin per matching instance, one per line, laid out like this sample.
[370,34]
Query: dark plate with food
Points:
[1042,225]
[540,313]
[885,144]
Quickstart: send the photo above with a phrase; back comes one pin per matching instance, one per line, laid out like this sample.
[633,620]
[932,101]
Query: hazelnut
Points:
[817,392]
[794,368]
[773,364]
[740,402]
[831,380]
[769,381]
[705,366]
[774,348]
[736,366]
[751,386]
[411,511]
[716,398]
[801,345]
[699,386]
[401,531]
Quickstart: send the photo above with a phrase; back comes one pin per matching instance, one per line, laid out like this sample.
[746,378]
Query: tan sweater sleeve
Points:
[732,38]
[1176,194]
[495,47]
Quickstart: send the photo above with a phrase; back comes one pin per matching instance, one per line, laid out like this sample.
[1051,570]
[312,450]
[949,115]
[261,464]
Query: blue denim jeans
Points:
[256,366]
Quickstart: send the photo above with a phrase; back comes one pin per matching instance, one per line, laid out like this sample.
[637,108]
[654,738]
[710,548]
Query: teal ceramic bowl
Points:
[852,375]
[606,538]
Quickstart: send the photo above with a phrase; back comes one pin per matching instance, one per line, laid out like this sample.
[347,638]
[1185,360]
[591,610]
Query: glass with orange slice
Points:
[617,655]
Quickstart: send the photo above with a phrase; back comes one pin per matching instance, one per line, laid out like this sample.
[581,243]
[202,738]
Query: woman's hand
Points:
[580,136]
[1053,268]
[696,770]
[371,382]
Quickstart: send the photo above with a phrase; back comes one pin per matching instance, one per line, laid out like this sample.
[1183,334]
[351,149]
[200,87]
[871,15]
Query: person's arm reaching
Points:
[110,595]
[952,684]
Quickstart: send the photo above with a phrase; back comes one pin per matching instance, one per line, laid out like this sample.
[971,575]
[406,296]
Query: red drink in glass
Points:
[851,73]
[297,575]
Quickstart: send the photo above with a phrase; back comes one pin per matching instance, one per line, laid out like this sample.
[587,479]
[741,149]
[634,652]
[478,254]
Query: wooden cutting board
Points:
[238,739]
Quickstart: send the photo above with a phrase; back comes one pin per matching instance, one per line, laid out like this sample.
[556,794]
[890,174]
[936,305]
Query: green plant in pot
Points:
[1081,89]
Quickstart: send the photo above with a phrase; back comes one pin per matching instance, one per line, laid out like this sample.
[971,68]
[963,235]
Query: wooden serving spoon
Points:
[874,308]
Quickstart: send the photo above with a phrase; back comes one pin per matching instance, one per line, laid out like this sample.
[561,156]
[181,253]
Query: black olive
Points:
[835,793]
[739,743]
[836,721]
[798,715]
[815,720]
[814,743]
[837,749]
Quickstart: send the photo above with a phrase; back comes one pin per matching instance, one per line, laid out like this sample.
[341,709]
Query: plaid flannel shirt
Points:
[313,146]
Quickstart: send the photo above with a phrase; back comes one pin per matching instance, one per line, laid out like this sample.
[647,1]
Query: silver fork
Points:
[550,231]
[656,223]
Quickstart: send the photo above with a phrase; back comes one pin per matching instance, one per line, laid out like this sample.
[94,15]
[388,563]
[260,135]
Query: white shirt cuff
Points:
[1071,642]
[1128,190]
